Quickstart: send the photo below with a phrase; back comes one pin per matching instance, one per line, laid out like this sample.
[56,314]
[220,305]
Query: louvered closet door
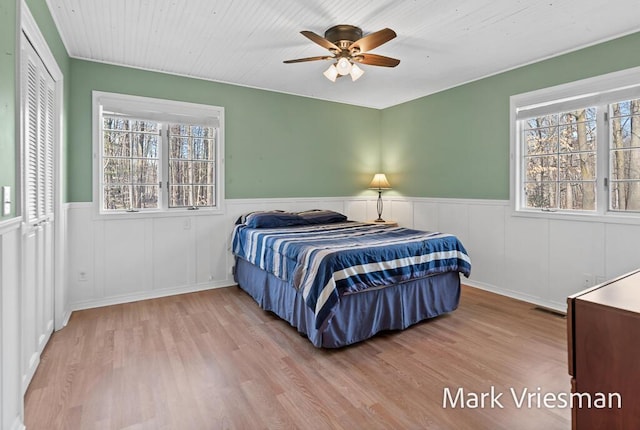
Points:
[38,105]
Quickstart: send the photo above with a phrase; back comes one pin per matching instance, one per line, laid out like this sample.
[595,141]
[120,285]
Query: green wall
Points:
[9,55]
[456,143]
[8,11]
[451,144]
[276,145]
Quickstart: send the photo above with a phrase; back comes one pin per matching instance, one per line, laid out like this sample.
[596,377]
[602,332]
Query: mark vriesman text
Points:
[526,398]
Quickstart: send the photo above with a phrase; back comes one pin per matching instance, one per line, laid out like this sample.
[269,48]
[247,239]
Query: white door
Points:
[38,113]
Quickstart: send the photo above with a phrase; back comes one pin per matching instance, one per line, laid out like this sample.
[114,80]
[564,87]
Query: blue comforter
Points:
[327,261]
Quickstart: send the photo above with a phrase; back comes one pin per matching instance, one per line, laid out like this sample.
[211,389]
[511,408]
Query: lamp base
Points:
[379,220]
[379,207]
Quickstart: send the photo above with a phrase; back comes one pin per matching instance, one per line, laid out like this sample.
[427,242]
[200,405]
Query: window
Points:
[576,147]
[156,155]
[560,160]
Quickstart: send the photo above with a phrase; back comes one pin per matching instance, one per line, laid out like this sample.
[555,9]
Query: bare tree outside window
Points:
[625,156]
[191,165]
[157,156]
[130,163]
[560,160]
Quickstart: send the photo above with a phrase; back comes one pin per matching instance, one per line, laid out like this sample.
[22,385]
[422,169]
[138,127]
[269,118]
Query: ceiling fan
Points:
[348,47]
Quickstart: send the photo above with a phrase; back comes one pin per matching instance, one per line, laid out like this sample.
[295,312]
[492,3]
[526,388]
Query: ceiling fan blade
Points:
[373,40]
[321,41]
[377,60]
[302,60]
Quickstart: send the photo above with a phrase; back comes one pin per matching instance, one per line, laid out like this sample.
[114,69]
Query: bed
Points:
[340,282]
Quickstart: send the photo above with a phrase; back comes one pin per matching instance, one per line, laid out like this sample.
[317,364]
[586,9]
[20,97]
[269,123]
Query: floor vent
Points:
[550,311]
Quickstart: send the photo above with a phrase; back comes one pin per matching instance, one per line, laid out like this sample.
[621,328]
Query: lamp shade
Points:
[343,66]
[331,73]
[356,72]
[380,182]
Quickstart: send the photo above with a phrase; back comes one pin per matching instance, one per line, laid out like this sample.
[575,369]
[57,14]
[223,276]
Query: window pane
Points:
[197,131]
[117,197]
[179,148]
[541,141]
[192,165]
[145,145]
[625,124]
[117,144]
[624,158]
[580,136]
[179,130]
[204,195]
[117,170]
[579,115]
[577,167]
[203,149]
[145,172]
[115,123]
[180,196]
[145,197]
[541,195]
[542,121]
[625,164]
[543,168]
[577,195]
[209,132]
[203,172]
[625,196]
[180,172]
[146,126]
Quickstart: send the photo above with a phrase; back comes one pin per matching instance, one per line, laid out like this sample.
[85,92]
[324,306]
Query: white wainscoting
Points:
[11,327]
[538,260]
[122,259]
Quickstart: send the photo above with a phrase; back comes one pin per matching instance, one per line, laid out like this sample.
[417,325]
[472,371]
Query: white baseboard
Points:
[128,298]
[18,424]
[65,319]
[516,295]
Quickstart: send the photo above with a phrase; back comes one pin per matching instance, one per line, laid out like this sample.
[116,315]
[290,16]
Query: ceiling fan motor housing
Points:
[343,35]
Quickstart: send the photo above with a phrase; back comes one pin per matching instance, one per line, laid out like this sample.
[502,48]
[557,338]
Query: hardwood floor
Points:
[214,360]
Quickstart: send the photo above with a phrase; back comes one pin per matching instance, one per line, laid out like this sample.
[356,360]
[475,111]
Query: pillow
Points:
[320,216]
[270,219]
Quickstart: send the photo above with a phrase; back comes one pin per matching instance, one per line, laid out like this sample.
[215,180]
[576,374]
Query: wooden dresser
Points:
[603,325]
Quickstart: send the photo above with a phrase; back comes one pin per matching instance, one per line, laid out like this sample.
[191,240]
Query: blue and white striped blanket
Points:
[327,261]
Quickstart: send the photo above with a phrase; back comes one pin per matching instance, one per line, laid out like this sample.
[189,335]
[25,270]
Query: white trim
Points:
[560,307]
[626,80]
[289,200]
[457,201]
[128,298]
[9,225]
[169,111]
[345,102]
[631,218]
[31,30]
[597,91]
[18,424]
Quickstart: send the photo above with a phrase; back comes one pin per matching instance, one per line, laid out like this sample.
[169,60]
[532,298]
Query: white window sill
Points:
[158,214]
[608,218]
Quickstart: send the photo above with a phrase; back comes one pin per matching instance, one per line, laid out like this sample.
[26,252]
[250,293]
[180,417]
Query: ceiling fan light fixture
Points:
[331,73]
[356,72]
[349,46]
[343,66]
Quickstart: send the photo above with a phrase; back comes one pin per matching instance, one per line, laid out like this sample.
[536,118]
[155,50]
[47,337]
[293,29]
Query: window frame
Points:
[599,91]
[164,112]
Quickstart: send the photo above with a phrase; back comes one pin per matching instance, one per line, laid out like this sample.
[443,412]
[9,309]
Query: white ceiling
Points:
[441,43]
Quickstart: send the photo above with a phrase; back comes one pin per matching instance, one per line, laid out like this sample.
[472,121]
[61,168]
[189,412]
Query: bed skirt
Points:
[357,316]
